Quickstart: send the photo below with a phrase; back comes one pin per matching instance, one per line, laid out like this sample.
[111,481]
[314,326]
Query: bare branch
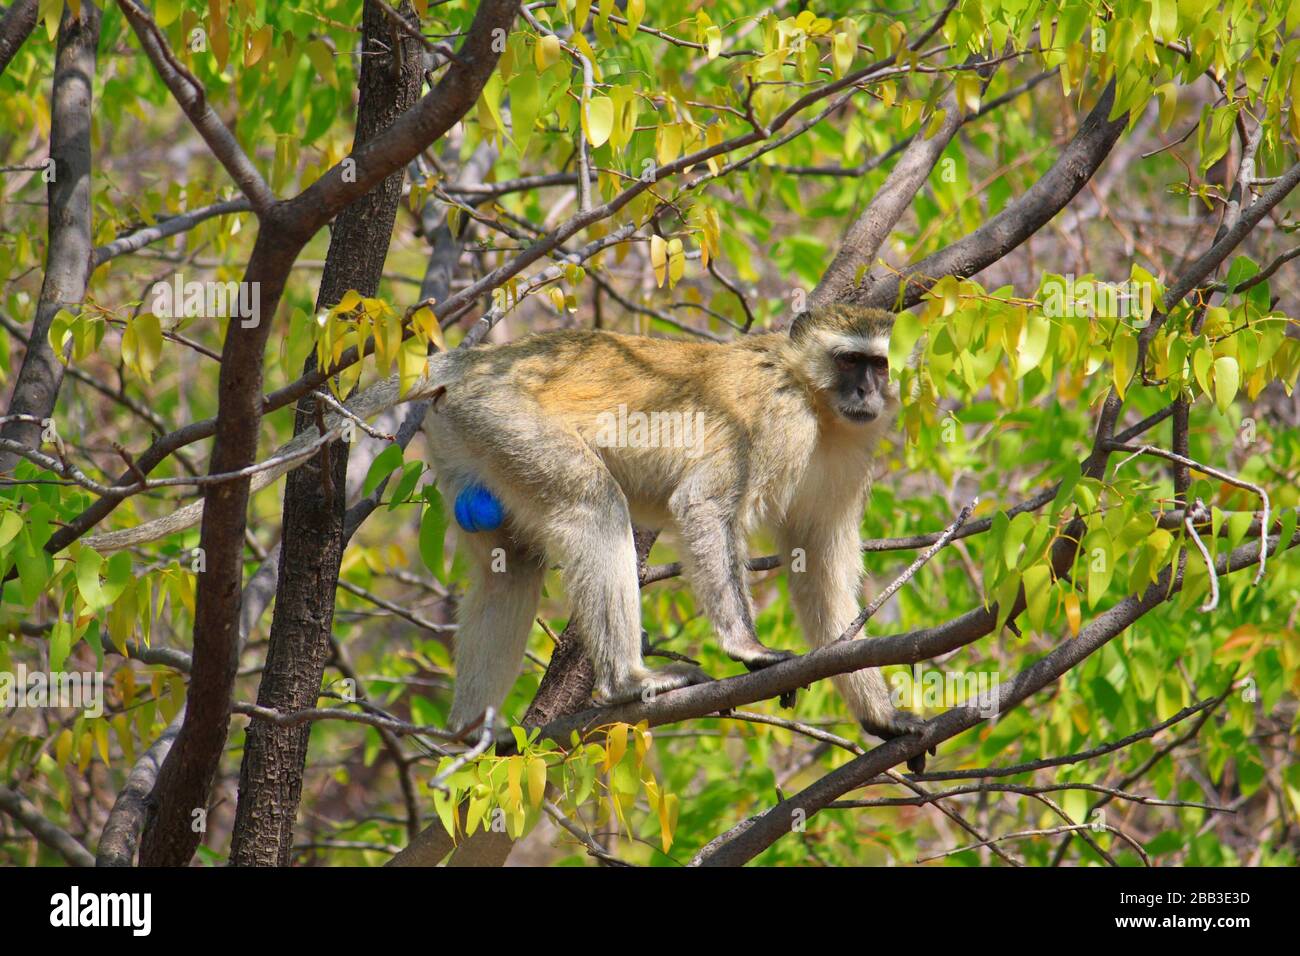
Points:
[1082,756]
[312,714]
[168,226]
[193,100]
[51,834]
[1214,472]
[867,612]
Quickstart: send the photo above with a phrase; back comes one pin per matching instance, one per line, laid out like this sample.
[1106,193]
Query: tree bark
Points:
[15,26]
[270,778]
[68,262]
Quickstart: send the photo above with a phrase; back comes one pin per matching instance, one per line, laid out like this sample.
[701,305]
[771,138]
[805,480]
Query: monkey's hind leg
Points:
[495,619]
[590,536]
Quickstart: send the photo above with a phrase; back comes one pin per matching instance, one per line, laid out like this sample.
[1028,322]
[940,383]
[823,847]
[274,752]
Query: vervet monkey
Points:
[567,430]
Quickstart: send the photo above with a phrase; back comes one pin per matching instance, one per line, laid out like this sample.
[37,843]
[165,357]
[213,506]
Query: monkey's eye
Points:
[848,361]
[879,363]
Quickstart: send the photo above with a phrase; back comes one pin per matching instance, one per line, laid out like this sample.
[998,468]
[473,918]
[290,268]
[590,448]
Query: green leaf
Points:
[166,11]
[433,528]
[1242,268]
[88,565]
[1019,528]
[119,576]
[1033,343]
[1202,360]
[11,523]
[142,344]
[1124,356]
[323,60]
[536,780]
[385,463]
[60,644]
[1100,562]
[525,104]
[1227,378]
[410,475]
[1038,594]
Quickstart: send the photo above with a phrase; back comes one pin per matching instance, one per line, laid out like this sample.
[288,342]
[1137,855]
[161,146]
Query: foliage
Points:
[710,134]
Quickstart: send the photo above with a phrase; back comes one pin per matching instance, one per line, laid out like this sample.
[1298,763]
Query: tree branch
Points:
[67,264]
[193,101]
[749,838]
[18,22]
[55,837]
[1014,224]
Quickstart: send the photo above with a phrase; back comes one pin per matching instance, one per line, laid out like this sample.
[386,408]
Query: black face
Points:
[862,383]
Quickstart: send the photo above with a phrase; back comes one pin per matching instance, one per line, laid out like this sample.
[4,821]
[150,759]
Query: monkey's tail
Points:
[365,404]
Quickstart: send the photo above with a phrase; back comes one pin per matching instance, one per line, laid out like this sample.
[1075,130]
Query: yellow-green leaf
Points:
[546,52]
[536,781]
[659,258]
[1227,379]
[598,120]
[1123,355]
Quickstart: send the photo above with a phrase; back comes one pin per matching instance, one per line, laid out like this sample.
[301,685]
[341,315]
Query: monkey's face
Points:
[857,373]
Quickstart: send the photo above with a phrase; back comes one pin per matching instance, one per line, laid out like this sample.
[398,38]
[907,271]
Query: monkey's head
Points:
[843,351]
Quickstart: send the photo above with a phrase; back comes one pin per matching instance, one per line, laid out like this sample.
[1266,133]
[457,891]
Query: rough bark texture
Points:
[171,833]
[15,26]
[67,267]
[270,778]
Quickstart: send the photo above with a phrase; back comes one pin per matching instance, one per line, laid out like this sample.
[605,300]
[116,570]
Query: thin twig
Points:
[1214,472]
[860,621]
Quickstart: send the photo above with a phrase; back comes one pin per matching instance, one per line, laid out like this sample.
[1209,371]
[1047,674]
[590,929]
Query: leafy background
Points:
[1001,403]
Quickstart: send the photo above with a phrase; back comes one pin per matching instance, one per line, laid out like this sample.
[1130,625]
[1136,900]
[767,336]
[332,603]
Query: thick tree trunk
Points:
[270,778]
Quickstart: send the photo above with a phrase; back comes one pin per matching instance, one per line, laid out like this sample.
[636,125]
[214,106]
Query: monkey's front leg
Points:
[825,598]
[715,567]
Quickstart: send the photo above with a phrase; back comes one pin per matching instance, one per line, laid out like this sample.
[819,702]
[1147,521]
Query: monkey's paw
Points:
[652,683]
[899,724]
[759,657]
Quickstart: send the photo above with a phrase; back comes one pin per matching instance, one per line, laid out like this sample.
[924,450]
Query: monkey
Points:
[775,430]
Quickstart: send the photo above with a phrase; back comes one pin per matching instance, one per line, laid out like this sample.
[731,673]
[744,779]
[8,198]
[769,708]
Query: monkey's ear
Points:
[799,327]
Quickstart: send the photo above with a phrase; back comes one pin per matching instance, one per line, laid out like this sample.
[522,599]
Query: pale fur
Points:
[522,419]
